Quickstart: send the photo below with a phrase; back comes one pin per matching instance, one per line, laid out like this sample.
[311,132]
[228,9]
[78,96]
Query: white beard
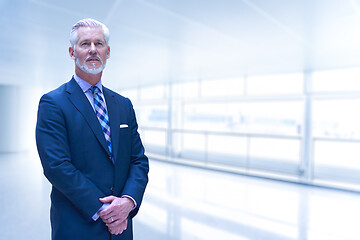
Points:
[86,69]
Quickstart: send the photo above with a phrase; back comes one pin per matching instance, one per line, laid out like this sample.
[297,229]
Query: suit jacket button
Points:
[112,189]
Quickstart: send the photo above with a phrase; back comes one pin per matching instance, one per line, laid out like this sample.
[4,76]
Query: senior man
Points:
[89,147]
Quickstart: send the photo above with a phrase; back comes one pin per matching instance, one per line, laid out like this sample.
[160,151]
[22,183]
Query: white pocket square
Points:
[123,126]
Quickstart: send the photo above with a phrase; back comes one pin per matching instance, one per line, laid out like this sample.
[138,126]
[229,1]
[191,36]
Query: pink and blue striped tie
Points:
[102,115]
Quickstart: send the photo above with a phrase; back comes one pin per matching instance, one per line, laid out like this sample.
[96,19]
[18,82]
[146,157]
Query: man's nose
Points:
[92,48]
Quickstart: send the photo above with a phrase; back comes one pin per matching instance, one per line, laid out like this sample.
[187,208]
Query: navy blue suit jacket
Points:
[76,160]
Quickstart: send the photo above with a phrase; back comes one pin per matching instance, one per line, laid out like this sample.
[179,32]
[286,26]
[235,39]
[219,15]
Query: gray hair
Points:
[87,22]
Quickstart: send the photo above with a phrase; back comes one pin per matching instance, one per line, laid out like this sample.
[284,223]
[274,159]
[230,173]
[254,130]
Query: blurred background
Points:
[249,111]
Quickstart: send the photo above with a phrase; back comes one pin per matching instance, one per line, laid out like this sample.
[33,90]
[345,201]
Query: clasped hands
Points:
[115,215]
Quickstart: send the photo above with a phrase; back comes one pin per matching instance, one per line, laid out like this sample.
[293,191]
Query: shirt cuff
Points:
[103,207]
[135,204]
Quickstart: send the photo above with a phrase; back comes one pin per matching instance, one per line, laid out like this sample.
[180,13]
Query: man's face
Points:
[90,51]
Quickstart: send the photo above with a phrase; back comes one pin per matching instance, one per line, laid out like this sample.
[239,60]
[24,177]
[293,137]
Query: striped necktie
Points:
[102,115]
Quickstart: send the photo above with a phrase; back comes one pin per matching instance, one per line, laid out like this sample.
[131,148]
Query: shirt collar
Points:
[84,85]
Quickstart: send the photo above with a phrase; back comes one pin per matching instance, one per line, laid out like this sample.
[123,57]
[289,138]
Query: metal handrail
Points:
[223,133]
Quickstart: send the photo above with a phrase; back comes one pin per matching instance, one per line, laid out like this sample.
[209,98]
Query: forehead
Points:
[90,33]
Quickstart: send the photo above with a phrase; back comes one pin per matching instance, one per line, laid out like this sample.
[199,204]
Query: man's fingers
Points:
[117,227]
[109,220]
[125,222]
[116,223]
[118,209]
[105,214]
[107,199]
[109,209]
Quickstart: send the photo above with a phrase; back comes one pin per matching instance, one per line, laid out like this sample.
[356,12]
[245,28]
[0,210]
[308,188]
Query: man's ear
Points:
[72,52]
[108,52]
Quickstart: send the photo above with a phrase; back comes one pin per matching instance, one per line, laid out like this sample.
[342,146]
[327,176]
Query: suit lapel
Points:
[114,117]
[79,100]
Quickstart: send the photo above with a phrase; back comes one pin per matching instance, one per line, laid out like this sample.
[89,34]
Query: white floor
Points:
[187,203]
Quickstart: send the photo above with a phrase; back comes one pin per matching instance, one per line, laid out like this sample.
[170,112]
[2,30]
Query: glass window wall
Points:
[270,124]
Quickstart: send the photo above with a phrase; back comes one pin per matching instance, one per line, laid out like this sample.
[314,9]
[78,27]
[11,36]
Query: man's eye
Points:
[99,43]
[84,44]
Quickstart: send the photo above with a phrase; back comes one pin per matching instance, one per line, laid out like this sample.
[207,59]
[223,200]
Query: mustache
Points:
[94,56]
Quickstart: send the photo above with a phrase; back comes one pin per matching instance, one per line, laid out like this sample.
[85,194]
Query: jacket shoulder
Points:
[57,92]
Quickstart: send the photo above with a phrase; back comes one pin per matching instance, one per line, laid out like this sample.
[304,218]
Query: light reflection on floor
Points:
[186,203]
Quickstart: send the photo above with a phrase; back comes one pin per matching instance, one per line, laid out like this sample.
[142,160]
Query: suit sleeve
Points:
[139,167]
[54,151]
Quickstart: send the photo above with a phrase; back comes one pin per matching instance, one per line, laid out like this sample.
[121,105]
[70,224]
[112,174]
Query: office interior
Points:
[248,111]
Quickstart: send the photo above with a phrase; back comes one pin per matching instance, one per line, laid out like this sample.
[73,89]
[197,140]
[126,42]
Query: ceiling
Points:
[157,41]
